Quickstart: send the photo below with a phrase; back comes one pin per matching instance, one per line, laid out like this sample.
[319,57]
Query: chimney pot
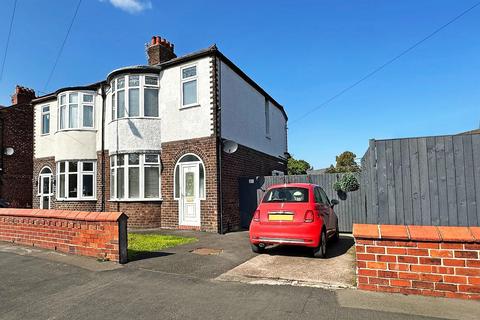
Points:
[160,50]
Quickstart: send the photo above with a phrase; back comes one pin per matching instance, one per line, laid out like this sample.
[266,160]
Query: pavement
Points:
[38,284]
[295,266]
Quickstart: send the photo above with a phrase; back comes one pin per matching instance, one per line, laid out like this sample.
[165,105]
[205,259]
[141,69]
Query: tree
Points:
[345,163]
[295,166]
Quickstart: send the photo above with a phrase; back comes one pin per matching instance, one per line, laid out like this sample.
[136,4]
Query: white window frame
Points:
[43,114]
[80,106]
[141,92]
[80,173]
[199,163]
[142,165]
[40,184]
[185,80]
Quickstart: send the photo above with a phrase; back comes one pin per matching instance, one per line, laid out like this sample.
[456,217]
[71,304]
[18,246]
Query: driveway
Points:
[296,266]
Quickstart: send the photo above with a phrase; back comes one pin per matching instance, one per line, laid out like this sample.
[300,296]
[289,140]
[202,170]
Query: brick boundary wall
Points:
[424,260]
[101,235]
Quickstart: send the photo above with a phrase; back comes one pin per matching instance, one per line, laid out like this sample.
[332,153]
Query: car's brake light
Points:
[256,215]
[309,216]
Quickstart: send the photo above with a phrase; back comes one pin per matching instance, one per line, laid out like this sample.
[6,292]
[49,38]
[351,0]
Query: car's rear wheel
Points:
[321,250]
[336,236]
[257,249]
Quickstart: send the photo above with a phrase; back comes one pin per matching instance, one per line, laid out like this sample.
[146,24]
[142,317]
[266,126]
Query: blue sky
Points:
[301,52]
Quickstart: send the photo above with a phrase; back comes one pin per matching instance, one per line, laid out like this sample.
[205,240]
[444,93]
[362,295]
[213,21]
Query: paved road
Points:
[45,285]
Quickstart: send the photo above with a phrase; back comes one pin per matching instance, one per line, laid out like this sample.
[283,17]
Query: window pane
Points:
[133,159]
[73,98]
[88,98]
[151,158]
[62,117]
[62,166]
[87,185]
[152,182]
[120,183]
[133,81]
[120,83]
[62,99]
[72,185]
[45,123]
[189,72]
[88,116]
[73,116]
[190,184]
[72,166]
[133,182]
[189,92]
[120,160]
[202,181]
[45,185]
[62,186]
[152,81]
[112,161]
[88,166]
[114,102]
[189,158]
[151,102]
[177,182]
[120,104]
[113,86]
[112,184]
[46,109]
[133,103]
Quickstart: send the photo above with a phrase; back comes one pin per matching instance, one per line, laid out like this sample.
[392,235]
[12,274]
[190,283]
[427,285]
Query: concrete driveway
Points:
[296,266]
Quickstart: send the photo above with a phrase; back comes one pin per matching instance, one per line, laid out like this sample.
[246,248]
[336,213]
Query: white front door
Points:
[189,204]
[45,191]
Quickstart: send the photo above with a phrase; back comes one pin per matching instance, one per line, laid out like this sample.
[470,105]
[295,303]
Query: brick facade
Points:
[244,162]
[16,132]
[424,260]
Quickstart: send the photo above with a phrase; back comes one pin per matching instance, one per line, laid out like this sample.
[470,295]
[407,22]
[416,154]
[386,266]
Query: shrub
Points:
[347,183]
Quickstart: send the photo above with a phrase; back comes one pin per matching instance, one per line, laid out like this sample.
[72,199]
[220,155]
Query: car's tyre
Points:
[257,249]
[336,236]
[321,250]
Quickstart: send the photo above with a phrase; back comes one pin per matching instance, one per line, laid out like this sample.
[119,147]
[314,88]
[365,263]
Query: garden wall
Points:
[424,260]
[101,235]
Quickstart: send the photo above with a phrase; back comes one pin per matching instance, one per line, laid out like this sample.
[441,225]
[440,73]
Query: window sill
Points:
[130,118]
[137,200]
[76,199]
[44,134]
[77,129]
[190,106]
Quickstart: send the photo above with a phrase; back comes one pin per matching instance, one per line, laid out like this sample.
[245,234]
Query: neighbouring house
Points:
[16,149]
[164,142]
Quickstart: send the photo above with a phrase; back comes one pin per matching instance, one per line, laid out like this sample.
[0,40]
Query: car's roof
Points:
[300,185]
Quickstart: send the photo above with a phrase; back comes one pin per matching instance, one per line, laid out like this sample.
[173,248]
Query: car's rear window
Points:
[286,194]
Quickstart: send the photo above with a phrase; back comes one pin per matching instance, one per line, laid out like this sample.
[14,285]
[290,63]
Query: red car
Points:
[297,214]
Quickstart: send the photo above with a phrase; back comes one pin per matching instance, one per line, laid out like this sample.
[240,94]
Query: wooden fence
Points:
[423,181]
[351,208]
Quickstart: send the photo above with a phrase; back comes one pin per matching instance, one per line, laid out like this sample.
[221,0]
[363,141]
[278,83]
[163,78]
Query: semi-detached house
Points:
[158,141]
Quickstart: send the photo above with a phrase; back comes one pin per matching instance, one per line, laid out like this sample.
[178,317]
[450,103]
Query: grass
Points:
[145,244]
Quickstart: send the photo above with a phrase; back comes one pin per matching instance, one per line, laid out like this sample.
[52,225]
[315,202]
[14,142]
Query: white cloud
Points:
[132,6]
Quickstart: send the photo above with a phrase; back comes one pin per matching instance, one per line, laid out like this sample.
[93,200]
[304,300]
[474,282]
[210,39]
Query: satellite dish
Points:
[230,146]
[9,151]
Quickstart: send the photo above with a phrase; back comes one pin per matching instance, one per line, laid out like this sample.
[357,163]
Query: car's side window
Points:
[318,197]
[324,197]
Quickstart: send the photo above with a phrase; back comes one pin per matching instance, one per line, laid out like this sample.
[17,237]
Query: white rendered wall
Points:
[243,116]
[134,134]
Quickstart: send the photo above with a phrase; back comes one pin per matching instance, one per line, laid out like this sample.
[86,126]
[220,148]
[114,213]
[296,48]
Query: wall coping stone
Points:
[64,214]
[416,233]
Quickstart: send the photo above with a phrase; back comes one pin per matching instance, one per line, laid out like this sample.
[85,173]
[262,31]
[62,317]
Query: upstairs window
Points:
[76,110]
[45,119]
[135,96]
[76,180]
[189,86]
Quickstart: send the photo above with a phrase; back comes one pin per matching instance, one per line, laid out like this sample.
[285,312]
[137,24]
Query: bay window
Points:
[189,86]
[76,180]
[134,96]
[135,176]
[76,110]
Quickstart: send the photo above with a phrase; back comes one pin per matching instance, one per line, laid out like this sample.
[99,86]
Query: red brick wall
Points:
[245,162]
[95,234]
[425,260]
[16,174]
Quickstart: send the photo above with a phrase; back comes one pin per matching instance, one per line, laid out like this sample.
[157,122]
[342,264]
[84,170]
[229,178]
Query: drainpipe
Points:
[103,178]
[219,140]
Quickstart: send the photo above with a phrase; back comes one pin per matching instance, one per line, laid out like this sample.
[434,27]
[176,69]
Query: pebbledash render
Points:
[164,142]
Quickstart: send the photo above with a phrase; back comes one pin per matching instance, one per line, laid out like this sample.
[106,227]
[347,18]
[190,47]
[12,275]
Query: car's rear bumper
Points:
[300,235]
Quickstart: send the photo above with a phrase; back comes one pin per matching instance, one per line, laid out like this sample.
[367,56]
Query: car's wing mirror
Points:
[334,202]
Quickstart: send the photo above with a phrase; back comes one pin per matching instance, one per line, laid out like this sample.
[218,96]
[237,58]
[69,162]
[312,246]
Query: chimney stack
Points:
[159,50]
[22,95]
